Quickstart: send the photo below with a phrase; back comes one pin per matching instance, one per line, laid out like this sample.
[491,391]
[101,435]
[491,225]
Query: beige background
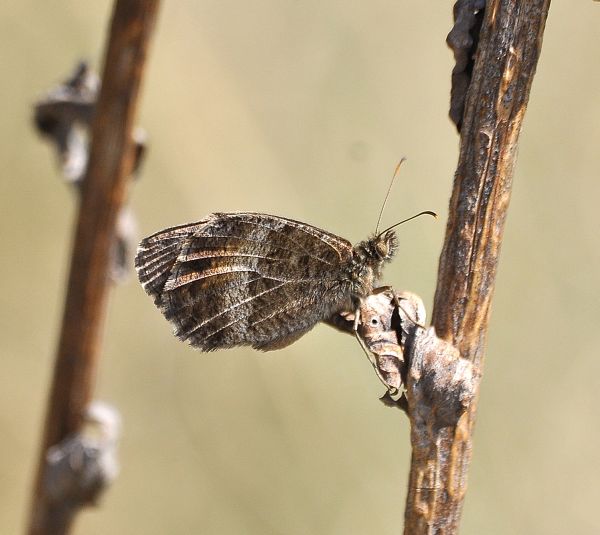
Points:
[303,109]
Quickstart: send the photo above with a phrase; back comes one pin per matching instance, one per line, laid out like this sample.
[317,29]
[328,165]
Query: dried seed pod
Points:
[386,319]
[440,384]
[80,468]
[63,116]
[379,333]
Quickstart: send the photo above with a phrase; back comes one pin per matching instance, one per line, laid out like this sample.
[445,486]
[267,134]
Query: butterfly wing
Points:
[245,279]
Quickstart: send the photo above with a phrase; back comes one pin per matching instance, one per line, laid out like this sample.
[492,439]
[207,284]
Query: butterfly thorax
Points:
[368,259]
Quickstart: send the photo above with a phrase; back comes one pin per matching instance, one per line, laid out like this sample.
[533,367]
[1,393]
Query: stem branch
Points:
[104,189]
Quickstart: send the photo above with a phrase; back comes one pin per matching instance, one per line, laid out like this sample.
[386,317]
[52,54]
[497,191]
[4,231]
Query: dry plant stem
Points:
[506,60]
[111,160]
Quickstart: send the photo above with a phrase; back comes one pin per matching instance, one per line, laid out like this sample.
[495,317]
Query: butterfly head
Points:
[383,246]
[369,258]
[378,249]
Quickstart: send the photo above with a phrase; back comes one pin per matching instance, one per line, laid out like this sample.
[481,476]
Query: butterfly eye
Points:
[381,247]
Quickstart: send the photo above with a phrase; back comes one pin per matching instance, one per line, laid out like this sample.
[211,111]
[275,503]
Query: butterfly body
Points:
[253,279]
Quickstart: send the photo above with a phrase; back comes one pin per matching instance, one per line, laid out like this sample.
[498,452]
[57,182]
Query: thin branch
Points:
[509,47]
[104,189]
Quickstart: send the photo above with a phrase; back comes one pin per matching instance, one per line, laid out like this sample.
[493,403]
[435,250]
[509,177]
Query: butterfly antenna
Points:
[426,212]
[388,192]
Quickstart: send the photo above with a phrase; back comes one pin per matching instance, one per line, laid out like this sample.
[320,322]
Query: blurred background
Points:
[303,109]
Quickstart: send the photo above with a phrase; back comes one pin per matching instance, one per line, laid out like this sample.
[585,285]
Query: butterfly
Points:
[252,279]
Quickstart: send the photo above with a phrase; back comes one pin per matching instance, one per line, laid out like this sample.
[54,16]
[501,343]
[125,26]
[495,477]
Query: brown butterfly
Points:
[236,279]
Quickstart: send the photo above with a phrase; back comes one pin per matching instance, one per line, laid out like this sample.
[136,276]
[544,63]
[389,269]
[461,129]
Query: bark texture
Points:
[505,63]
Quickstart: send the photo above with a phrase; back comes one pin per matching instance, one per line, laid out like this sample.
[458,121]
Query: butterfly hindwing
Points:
[245,279]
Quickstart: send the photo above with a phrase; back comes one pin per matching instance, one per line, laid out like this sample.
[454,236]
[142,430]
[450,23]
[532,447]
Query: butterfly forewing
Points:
[245,279]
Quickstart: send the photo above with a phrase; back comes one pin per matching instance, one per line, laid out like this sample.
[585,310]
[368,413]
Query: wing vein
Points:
[301,228]
[229,309]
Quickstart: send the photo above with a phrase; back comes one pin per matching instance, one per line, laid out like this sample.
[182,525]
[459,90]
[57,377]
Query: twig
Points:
[104,188]
[507,55]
